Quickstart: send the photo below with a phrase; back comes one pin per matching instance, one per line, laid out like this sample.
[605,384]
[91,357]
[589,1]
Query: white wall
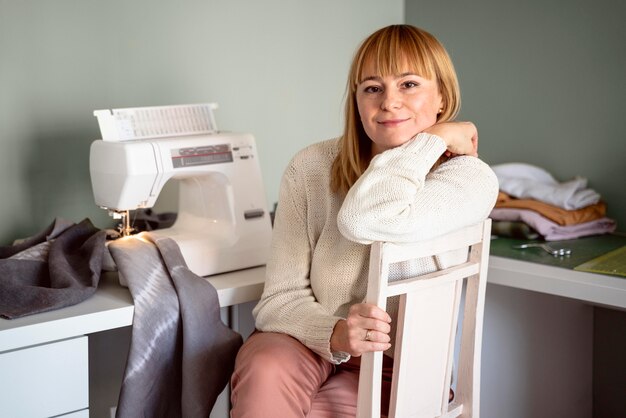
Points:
[276,68]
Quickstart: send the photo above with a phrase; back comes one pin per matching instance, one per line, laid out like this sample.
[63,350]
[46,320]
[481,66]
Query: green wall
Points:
[545,82]
[276,68]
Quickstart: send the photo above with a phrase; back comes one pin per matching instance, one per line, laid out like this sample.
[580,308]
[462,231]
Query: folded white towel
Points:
[526,181]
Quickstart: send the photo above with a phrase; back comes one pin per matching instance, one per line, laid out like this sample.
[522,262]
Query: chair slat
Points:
[453,241]
[430,356]
[436,278]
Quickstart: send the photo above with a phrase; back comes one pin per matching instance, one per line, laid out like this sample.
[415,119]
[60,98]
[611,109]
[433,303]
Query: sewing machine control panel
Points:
[211,154]
[202,155]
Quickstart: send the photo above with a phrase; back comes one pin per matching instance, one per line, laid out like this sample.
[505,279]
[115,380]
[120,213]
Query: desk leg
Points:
[238,318]
[108,351]
[537,355]
[242,320]
[221,409]
[609,363]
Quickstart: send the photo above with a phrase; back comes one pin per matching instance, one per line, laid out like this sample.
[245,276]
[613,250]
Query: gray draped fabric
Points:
[181,355]
[58,267]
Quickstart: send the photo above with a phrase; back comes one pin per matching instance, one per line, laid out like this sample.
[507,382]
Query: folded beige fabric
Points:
[556,214]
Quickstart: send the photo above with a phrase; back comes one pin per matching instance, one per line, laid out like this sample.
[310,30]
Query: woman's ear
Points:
[440,102]
[441,107]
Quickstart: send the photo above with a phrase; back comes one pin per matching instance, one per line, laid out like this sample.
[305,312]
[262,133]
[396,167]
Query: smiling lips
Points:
[390,123]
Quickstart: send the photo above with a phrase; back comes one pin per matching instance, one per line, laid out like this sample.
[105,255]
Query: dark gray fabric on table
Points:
[56,268]
[181,355]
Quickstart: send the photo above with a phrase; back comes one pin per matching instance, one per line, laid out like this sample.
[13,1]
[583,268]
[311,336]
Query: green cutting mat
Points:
[583,250]
[613,263]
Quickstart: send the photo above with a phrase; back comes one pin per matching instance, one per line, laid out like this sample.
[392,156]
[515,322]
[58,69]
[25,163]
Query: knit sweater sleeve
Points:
[399,199]
[288,304]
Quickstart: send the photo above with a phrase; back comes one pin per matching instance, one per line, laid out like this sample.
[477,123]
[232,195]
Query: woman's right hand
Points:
[461,138]
[365,329]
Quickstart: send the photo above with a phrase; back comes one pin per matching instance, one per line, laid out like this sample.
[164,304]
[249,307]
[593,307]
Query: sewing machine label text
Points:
[203,155]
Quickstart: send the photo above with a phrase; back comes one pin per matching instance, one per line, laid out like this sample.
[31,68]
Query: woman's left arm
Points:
[399,199]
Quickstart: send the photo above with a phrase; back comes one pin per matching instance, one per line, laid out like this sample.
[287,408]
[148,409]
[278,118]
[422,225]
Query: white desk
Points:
[609,291]
[513,341]
[538,339]
[44,357]
[111,307]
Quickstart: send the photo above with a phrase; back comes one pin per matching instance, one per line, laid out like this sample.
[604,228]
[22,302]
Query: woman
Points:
[402,171]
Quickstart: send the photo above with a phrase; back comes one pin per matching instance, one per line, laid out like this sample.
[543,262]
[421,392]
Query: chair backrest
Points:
[427,327]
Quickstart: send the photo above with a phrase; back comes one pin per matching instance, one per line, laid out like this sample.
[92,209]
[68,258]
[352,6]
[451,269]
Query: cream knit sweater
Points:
[320,244]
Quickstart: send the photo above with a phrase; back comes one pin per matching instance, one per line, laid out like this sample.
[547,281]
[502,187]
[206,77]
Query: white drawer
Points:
[45,380]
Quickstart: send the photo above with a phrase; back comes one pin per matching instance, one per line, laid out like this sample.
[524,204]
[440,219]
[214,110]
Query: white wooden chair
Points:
[427,328]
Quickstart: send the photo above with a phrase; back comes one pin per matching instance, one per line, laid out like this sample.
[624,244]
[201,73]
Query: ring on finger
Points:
[368,335]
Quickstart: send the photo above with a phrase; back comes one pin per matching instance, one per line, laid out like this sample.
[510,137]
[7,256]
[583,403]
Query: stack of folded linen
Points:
[533,202]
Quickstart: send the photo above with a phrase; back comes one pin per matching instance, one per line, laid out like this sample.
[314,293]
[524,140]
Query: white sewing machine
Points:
[223,223]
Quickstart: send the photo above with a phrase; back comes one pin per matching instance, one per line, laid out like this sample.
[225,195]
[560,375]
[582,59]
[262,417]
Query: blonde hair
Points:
[392,49]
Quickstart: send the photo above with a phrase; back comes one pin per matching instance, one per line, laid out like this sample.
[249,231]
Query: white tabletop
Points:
[600,289]
[112,307]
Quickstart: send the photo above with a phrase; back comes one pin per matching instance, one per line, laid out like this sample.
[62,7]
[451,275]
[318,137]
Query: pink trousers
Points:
[278,377]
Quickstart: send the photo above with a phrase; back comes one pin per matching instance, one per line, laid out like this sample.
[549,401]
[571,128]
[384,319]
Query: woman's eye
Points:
[410,84]
[372,89]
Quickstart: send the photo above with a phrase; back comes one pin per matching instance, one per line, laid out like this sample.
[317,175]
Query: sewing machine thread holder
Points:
[128,124]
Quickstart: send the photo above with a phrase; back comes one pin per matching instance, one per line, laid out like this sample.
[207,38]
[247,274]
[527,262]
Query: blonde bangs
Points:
[395,52]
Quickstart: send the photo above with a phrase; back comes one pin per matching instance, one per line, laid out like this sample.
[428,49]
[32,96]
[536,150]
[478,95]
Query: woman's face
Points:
[395,108]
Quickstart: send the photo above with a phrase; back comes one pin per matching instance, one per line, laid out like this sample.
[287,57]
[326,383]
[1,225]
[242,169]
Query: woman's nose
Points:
[391,100]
